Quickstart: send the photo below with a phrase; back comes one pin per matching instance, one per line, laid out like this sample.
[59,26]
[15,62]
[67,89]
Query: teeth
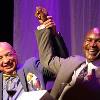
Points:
[91,50]
[4,65]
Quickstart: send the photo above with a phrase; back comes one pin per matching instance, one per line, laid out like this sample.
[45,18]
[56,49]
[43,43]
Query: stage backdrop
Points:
[73,18]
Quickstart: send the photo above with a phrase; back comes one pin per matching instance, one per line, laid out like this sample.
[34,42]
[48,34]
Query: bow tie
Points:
[6,76]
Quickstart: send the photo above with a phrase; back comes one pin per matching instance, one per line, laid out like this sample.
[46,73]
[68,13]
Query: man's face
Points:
[91,45]
[8,59]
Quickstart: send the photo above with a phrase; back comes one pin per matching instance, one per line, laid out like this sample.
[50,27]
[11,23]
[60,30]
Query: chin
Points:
[9,71]
[91,58]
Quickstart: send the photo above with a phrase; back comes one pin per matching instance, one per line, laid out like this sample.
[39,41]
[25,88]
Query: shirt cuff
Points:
[40,27]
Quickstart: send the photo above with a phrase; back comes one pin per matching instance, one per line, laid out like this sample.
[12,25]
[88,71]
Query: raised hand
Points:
[42,15]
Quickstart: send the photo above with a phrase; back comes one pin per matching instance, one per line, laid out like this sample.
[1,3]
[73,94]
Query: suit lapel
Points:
[22,77]
[1,86]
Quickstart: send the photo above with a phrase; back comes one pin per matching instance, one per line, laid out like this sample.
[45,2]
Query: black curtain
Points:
[6,20]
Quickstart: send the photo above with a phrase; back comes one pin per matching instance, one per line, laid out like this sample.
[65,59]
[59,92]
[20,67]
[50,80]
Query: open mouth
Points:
[93,52]
[8,65]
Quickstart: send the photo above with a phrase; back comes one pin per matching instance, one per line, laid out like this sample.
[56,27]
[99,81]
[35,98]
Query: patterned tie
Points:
[6,77]
[82,74]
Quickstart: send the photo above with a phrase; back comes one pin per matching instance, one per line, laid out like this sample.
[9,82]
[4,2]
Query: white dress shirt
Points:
[19,88]
[90,65]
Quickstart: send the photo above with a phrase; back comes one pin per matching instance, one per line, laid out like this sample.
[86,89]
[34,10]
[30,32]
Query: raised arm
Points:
[50,44]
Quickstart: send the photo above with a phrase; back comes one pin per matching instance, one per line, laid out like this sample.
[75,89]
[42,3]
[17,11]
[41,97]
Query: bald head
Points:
[5,45]
[95,31]
[8,58]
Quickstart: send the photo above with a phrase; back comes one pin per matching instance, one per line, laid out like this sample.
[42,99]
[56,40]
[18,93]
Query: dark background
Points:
[6,20]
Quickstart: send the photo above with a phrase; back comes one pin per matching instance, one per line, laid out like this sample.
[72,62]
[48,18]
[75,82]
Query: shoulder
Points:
[75,59]
[71,63]
[31,62]
[31,59]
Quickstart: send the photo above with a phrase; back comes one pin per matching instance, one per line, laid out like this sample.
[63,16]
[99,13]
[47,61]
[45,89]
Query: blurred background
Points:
[73,19]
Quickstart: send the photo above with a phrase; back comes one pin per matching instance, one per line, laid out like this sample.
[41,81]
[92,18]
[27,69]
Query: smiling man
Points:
[92,45]
[80,76]
[8,58]
[13,73]
[85,80]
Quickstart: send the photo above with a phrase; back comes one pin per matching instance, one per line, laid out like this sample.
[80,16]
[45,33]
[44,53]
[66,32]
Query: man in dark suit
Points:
[86,86]
[21,78]
[68,70]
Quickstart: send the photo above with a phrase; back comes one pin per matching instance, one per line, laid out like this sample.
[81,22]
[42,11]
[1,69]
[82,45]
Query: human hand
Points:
[41,14]
[49,23]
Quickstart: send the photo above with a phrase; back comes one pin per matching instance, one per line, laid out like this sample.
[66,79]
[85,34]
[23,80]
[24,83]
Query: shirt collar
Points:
[93,65]
[40,27]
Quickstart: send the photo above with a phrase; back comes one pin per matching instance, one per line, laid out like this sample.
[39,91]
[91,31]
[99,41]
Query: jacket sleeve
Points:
[60,46]
[46,50]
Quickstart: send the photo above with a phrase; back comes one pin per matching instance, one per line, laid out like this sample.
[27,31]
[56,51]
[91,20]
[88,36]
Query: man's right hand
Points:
[49,23]
[43,18]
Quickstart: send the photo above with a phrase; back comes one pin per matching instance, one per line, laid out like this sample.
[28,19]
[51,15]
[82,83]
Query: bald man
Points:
[85,79]
[21,79]
[79,85]
[68,70]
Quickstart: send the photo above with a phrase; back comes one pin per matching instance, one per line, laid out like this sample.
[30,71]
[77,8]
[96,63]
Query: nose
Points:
[39,16]
[5,60]
[93,43]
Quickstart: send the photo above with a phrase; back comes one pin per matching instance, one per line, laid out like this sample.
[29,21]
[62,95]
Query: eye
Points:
[0,57]
[9,54]
[88,40]
[98,40]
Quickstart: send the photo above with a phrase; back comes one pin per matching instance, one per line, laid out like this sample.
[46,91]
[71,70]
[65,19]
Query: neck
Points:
[12,73]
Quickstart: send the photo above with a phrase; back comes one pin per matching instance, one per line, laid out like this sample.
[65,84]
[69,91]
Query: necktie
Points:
[82,74]
[92,76]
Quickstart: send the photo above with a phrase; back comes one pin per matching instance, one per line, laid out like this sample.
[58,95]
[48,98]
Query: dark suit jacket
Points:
[32,66]
[64,69]
[59,45]
[50,45]
[83,90]
[53,62]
